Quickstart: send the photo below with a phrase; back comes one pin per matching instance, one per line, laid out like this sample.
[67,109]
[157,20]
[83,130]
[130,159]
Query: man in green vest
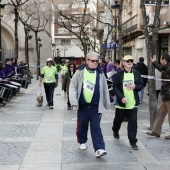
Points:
[64,69]
[88,93]
[127,84]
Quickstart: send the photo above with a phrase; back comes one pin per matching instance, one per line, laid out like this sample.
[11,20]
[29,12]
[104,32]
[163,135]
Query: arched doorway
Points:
[7,40]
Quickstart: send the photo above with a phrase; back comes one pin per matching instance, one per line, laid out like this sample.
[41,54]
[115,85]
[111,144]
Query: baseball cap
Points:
[127,57]
[49,59]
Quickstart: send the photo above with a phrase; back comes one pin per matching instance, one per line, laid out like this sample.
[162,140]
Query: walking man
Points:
[143,70]
[89,93]
[164,108]
[127,83]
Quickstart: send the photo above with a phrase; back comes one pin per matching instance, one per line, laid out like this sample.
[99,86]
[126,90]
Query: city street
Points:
[37,138]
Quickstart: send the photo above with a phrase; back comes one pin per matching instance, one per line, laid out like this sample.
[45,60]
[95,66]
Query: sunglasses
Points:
[94,61]
[127,61]
[71,67]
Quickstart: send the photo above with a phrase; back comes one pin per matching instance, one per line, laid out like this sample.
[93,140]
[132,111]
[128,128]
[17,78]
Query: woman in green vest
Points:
[50,75]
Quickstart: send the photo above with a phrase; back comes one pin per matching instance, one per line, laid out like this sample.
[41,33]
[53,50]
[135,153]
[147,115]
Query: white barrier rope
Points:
[153,78]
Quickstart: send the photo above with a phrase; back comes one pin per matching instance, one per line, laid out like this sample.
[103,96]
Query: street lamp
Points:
[1,15]
[38,57]
[53,48]
[27,37]
[58,56]
[94,33]
[115,8]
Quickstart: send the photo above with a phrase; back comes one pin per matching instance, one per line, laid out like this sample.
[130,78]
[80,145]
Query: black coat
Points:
[165,88]
[143,70]
[118,86]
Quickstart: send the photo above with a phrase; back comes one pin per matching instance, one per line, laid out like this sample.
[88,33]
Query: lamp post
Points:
[115,8]
[38,59]
[53,48]
[58,56]
[27,38]
[1,15]
[94,33]
[64,54]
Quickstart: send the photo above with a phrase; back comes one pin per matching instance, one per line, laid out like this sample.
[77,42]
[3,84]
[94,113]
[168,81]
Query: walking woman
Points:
[50,75]
[66,81]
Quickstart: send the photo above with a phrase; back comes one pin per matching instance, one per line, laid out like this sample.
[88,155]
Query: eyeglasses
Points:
[127,61]
[94,61]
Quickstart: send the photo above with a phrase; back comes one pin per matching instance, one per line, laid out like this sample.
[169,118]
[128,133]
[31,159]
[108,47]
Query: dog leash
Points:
[40,89]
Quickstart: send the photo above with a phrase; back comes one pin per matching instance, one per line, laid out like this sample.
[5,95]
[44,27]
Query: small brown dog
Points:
[39,99]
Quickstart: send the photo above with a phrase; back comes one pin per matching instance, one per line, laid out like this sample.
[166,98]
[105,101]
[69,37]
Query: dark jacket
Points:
[143,70]
[118,86]
[165,88]
[66,81]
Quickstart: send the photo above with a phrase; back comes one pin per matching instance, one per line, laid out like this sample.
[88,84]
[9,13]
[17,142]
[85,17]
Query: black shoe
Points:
[134,146]
[69,108]
[153,134]
[116,135]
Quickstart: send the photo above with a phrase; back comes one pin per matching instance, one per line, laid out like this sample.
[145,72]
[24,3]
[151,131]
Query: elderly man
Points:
[89,93]
[127,84]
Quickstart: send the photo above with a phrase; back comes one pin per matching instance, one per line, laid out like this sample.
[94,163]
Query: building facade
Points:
[66,44]
[8,42]
[132,25]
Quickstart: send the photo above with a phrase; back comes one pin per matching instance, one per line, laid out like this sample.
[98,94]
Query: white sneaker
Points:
[83,146]
[100,152]
[51,107]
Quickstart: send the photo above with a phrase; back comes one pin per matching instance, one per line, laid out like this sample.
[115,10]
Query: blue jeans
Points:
[49,91]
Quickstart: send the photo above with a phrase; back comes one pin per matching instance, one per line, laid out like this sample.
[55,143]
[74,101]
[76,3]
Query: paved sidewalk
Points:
[37,138]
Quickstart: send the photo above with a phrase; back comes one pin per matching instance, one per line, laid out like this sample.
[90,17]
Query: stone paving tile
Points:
[13,153]
[161,153]
[21,116]
[9,167]
[18,130]
[118,151]
[70,129]
[41,167]
[103,166]
[28,107]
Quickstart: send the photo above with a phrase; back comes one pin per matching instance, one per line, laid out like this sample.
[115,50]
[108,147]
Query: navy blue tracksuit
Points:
[88,113]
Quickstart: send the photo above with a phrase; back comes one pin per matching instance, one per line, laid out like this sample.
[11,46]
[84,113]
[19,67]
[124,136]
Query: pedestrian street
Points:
[38,138]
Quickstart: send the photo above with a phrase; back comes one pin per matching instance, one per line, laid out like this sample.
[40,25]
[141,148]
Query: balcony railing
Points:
[130,25]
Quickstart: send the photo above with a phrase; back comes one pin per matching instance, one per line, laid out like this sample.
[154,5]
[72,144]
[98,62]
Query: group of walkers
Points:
[87,91]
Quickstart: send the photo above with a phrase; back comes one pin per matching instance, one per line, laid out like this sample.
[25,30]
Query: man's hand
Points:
[131,87]
[153,58]
[40,83]
[1,79]
[124,100]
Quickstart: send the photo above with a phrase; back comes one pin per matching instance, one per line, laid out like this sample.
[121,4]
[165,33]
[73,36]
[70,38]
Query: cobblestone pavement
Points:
[37,138]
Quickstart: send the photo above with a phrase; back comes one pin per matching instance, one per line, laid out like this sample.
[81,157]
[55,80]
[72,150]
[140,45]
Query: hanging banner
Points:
[153,2]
